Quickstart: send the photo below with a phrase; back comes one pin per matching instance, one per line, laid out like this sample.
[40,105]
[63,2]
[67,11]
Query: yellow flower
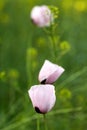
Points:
[41,42]
[1,4]
[14,74]
[67,4]
[80,6]
[34,65]
[32,53]
[2,74]
[4,18]
[65,94]
[65,46]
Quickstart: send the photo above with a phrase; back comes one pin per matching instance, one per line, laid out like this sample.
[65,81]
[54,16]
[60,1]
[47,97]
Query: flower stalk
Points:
[38,123]
[45,122]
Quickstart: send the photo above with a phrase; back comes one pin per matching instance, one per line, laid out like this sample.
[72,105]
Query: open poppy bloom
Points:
[49,72]
[41,16]
[43,97]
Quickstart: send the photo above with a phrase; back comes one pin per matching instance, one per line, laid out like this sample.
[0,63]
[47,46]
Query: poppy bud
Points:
[41,16]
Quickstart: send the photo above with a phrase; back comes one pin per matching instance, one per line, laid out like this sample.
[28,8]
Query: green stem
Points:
[53,46]
[38,123]
[28,68]
[45,122]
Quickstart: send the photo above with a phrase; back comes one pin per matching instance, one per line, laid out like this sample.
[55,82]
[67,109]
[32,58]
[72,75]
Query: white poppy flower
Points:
[43,97]
[41,16]
[49,72]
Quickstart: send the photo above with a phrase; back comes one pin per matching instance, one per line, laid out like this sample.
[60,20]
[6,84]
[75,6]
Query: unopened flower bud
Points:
[41,16]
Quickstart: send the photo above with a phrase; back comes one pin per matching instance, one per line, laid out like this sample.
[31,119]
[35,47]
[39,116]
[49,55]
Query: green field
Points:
[23,49]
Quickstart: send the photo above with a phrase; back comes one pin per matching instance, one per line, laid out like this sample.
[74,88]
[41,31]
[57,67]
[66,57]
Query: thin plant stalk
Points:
[38,123]
[45,122]
[54,43]
[28,68]
[54,48]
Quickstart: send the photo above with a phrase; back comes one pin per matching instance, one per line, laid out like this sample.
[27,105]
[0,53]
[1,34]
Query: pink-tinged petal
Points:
[43,97]
[41,16]
[50,72]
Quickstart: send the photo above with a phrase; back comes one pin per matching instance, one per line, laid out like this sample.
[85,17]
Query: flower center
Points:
[37,110]
[43,81]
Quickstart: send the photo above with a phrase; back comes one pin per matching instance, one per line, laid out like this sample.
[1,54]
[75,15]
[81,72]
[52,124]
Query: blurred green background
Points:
[23,49]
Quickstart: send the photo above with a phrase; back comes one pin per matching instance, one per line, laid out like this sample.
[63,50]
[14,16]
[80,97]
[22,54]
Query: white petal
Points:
[42,97]
[49,71]
[55,75]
